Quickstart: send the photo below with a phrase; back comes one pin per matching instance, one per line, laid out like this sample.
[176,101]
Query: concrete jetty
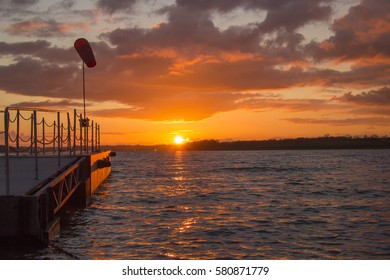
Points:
[33,206]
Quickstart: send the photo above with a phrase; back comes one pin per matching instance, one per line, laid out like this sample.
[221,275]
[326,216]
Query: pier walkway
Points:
[22,172]
[48,162]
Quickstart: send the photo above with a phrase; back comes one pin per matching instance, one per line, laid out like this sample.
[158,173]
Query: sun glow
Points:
[178,140]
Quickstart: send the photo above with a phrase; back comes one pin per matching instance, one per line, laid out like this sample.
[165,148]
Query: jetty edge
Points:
[35,214]
[59,162]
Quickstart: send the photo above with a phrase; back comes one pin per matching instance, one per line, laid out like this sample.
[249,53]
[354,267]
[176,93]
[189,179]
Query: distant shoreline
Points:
[319,143]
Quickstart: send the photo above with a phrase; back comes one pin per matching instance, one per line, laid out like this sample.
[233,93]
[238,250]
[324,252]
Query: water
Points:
[234,205]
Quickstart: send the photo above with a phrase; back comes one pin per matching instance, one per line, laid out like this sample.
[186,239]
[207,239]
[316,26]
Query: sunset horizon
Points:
[225,70]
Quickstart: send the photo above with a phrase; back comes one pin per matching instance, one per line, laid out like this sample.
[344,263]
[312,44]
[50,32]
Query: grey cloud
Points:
[112,6]
[49,103]
[380,97]
[33,77]
[379,121]
[41,49]
[363,32]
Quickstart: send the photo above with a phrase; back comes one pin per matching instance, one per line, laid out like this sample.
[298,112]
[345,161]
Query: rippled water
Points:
[235,205]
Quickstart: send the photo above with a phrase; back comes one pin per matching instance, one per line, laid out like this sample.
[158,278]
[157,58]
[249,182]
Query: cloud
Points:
[49,104]
[22,2]
[112,6]
[38,27]
[286,14]
[377,121]
[380,97]
[187,68]
[35,78]
[363,32]
[39,49]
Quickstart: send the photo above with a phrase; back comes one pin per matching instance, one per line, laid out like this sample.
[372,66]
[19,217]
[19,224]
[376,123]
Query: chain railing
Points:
[25,133]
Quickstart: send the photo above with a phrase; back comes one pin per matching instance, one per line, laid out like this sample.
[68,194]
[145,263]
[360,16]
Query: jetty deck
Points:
[33,207]
[22,172]
[50,160]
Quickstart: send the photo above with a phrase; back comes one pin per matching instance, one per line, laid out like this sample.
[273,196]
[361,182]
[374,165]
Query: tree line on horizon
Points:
[326,142]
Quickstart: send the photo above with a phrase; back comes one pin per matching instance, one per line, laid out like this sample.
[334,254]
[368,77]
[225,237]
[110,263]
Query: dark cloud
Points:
[38,27]
[286,14]
[39,49]
[380,97]
[190,34]
[363,32]
[33,77]
[291,15]
[358,77]
[49,104]
[22,2]
[188,69]
[112,6]
[377,121]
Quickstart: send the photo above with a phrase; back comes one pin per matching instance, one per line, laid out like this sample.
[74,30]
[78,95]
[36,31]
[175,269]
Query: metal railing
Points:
[41,131]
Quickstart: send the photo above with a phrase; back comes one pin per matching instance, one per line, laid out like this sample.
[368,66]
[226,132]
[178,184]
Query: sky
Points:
[222,69]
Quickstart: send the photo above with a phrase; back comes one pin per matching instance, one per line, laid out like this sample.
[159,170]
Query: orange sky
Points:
[225,70]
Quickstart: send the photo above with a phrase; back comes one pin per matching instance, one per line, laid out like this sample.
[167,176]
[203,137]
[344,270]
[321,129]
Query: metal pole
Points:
[69,146]
[85,114]
[99,138]
[6,144]
[31,134]
[35,144]
[62,134]
[86,134]
[81,134]
[17,131]
[92,146]
[96,142]
[54,137]
[43,136]
[59,138]
[74,131]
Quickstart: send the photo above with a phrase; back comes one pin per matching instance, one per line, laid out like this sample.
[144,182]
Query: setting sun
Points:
[178,140]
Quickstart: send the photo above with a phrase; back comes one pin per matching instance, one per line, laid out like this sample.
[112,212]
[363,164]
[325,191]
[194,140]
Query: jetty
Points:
[49,159]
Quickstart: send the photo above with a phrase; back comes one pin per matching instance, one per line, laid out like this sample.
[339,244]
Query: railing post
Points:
[62,135]
[81,134]
[6,144]
[31,134]
[17,131]
[69,144]
[86,134]
[54,137]
[92,144]
[35,144]
[59,138]
[74,131]
[43,136]
[99,138]
[96,142]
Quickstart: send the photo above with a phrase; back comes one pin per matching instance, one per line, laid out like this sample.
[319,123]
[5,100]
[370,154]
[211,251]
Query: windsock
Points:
[85,51]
